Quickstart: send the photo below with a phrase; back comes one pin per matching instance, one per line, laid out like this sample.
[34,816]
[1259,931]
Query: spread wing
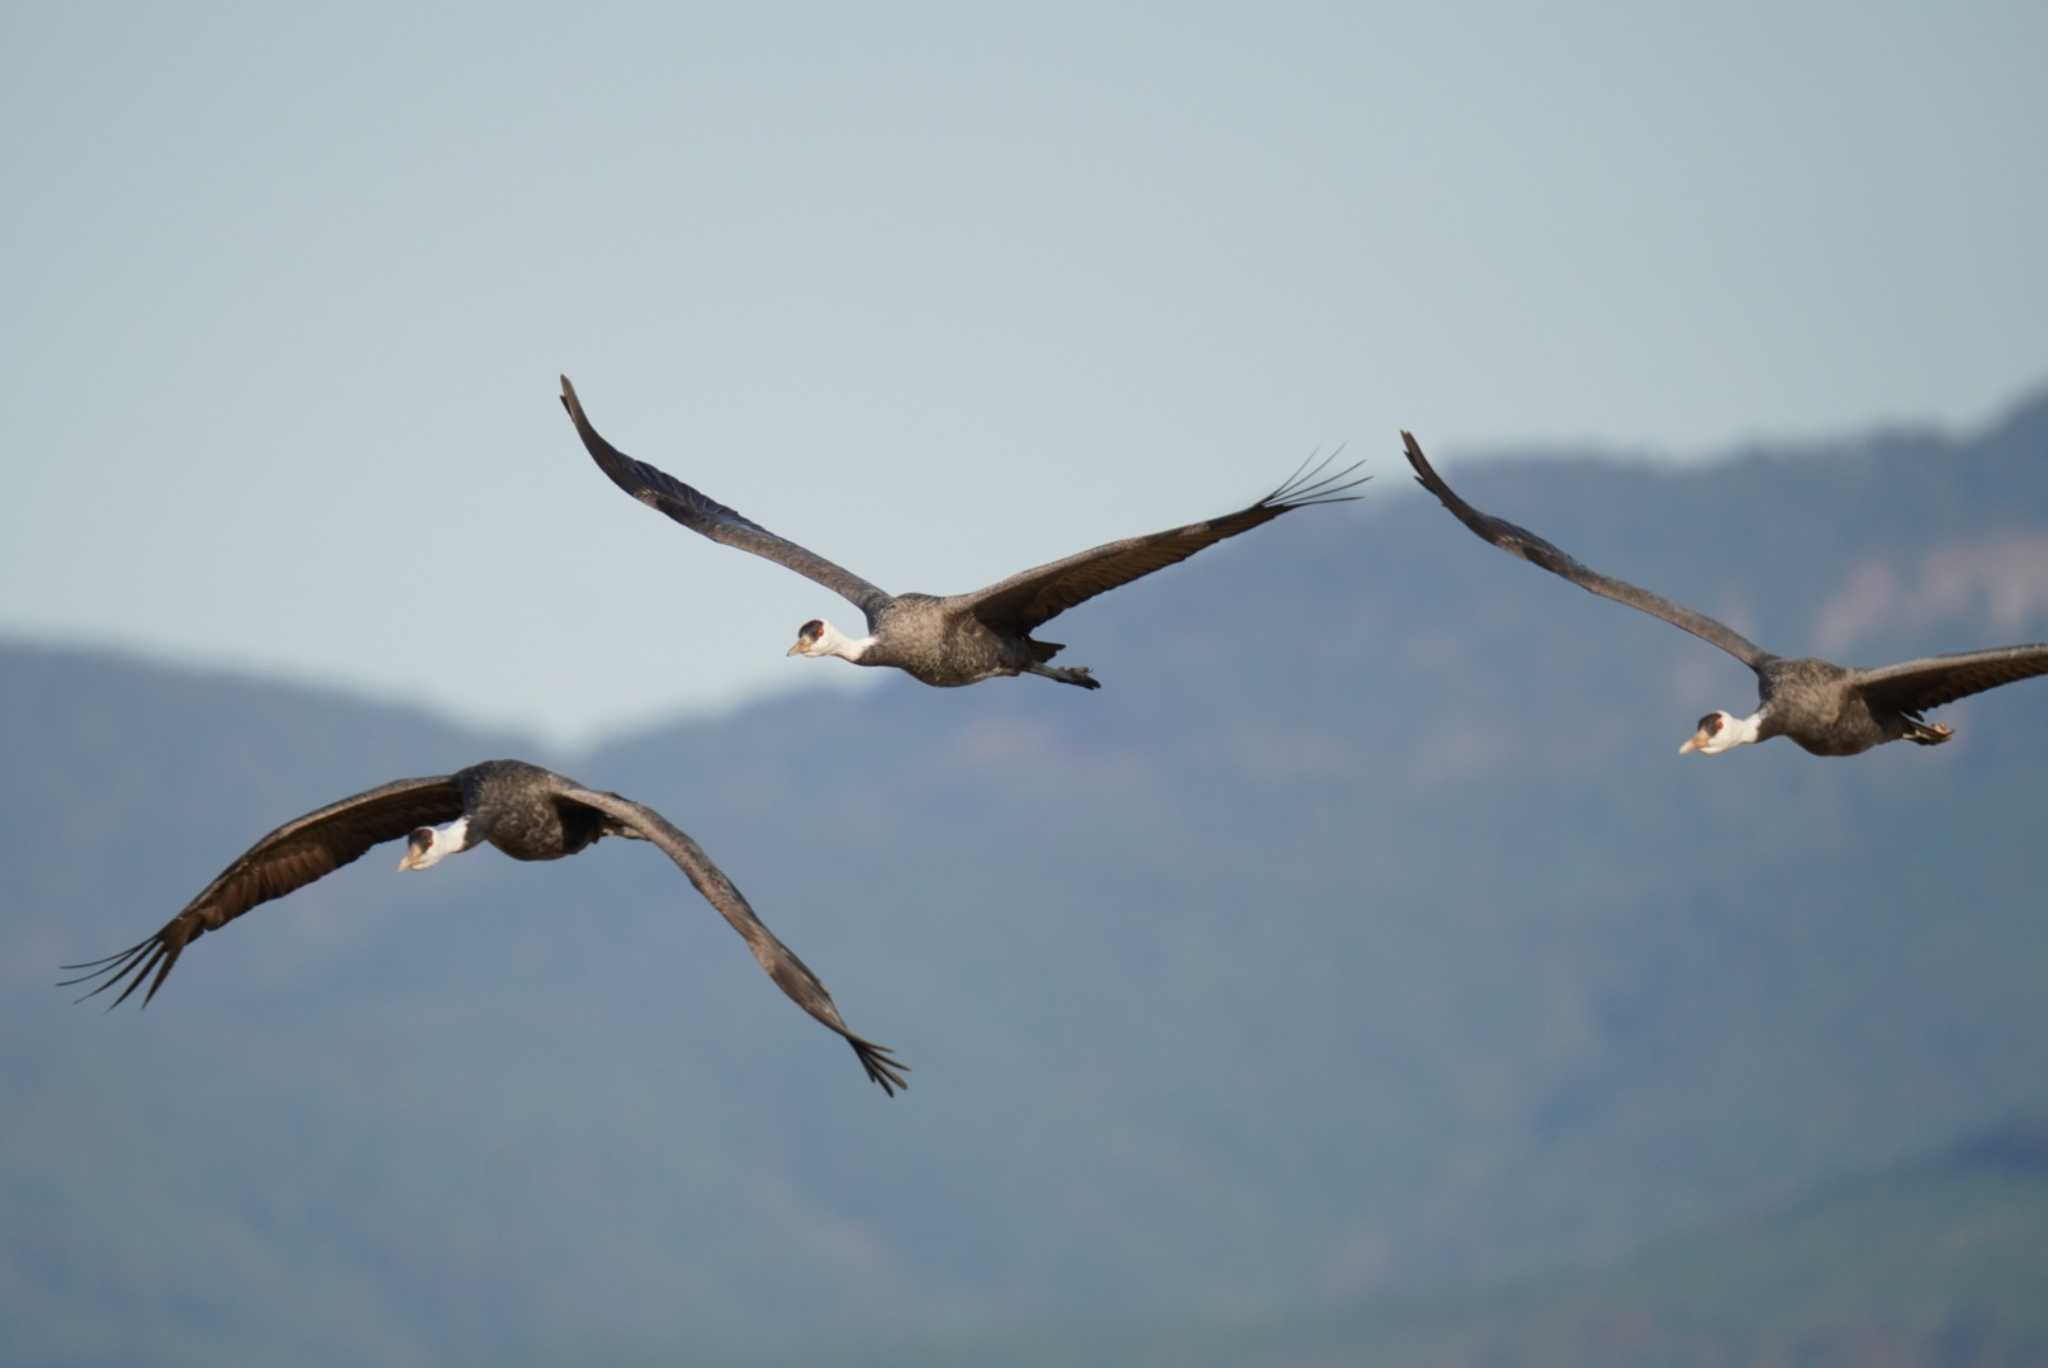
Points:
[703,514]
[308,848]
[1929,683]
[1025,600]
[791,975]
[1520,541]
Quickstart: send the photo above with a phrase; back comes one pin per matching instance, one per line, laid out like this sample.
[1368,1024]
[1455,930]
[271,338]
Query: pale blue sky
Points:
[940,292]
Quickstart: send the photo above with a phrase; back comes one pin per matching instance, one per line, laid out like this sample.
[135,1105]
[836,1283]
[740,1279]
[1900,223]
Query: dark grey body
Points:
[514,806]
[937,641]
[1815,703]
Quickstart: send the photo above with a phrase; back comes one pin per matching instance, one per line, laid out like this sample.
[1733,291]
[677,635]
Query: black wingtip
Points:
[1425,473]
[94,964]
[1309,486]
[1413,450]
[131,968]
[883,1068]
[110,969]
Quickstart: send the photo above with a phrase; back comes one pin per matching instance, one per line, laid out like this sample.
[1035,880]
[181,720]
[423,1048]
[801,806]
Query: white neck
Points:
[834,642]
[451,839]
[1736,731]
[1743,730]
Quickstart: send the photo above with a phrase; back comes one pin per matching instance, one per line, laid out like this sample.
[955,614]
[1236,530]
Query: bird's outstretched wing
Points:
[790,973]
[307,848]
[1914,685]
[1032,597]
[703,514]
[1520,541]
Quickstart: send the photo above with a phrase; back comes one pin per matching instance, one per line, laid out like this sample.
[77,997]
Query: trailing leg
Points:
[1078,675]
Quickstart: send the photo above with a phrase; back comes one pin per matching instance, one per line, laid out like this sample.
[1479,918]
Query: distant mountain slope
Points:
[1939,1260]
[1364,935]
[1936,1260]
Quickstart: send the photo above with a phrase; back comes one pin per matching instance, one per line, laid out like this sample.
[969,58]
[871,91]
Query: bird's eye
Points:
[813,628]
[1711,724]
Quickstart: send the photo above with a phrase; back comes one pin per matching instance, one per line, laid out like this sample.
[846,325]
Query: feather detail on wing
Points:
[705,515]
[1520,541]
[297,853]
[790,973]
[1917,684]
[1030,598]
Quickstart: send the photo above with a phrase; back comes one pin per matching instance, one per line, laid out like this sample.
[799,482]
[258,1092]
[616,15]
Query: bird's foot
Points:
[1078,675]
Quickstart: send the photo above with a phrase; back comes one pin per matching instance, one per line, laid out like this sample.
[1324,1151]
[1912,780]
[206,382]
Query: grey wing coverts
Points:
[1915,685]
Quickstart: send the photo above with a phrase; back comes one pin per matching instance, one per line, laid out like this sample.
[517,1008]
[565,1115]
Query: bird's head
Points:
[820,638]
[422,851]
[419,850]
[814,638]
[1718,731]
[428,846]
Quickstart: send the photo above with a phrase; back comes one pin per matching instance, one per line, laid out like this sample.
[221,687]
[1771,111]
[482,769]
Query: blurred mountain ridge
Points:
[1363,938]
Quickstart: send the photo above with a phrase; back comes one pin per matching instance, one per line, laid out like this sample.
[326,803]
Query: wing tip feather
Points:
[883,1068]
[1310,485]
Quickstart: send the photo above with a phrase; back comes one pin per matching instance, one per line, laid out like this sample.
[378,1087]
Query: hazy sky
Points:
[940,293]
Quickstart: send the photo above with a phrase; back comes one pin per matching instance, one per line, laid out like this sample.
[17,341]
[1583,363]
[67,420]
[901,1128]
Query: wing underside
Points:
[296,854]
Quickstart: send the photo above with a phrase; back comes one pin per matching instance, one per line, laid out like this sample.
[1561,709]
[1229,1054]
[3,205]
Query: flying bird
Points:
[958,638]
[527,812]
[1827,709]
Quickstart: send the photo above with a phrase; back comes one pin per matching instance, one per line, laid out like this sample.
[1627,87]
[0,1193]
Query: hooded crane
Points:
[523,810]
[1826,708]
[960,638]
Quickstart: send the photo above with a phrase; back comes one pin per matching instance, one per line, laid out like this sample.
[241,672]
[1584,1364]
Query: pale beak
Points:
[1692,745]
[797,649]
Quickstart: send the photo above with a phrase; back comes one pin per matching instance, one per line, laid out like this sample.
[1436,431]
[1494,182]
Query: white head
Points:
[1721,731]
[428,846]
[820,638]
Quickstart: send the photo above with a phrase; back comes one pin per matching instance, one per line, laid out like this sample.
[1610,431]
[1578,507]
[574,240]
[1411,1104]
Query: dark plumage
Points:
[525,811]
[1827,709]
[959,638]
